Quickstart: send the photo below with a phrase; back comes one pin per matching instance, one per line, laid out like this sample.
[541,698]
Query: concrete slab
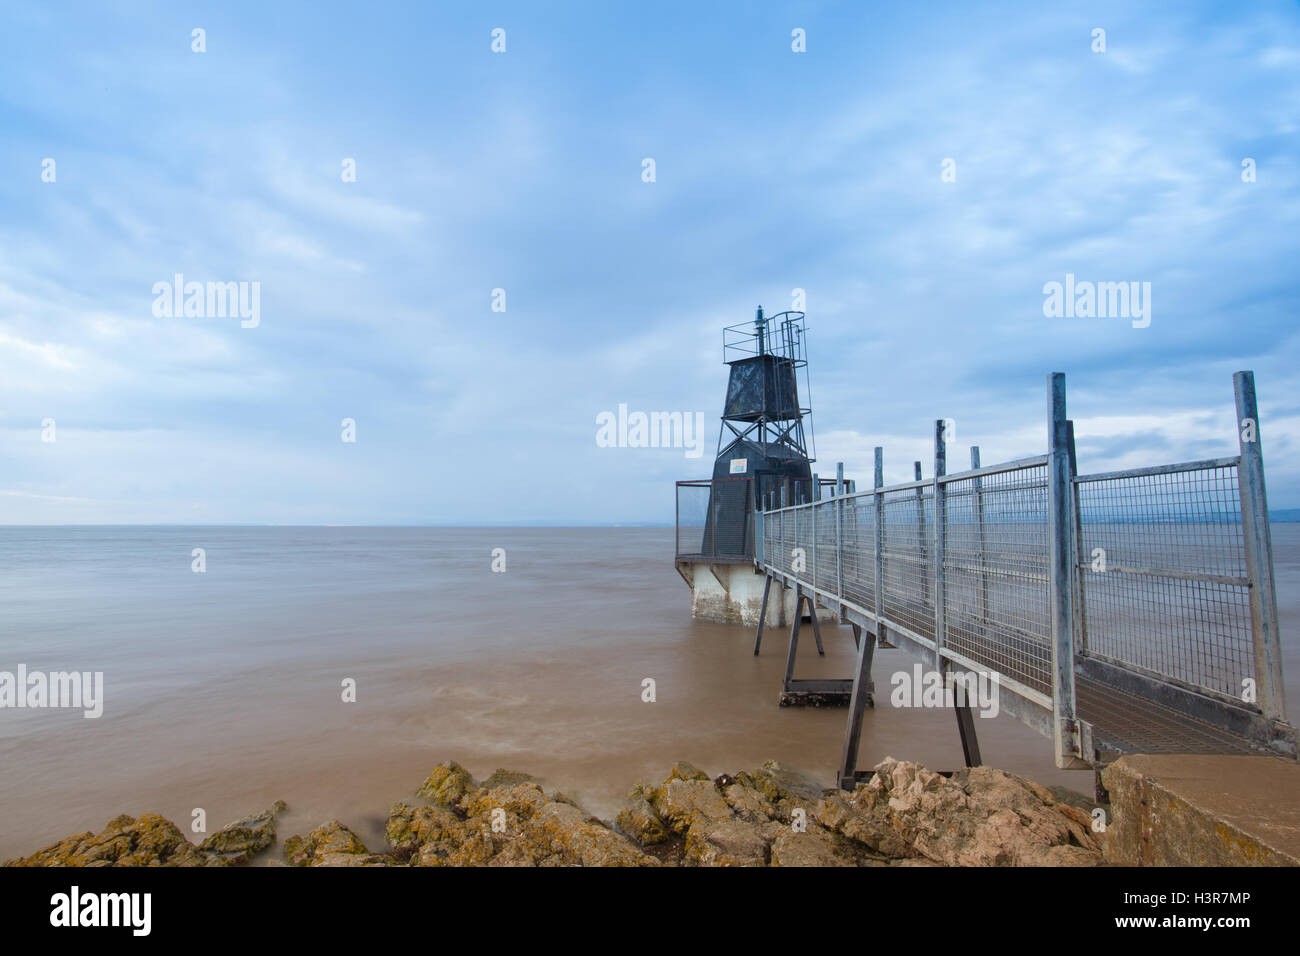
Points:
[1203,810]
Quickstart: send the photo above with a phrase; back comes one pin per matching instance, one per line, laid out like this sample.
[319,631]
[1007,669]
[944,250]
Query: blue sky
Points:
[522,170]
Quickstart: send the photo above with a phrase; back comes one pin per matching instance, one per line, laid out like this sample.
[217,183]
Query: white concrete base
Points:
[733,594]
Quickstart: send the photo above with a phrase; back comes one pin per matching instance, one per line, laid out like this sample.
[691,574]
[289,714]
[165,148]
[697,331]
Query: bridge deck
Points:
[1122,720]
[1127,723]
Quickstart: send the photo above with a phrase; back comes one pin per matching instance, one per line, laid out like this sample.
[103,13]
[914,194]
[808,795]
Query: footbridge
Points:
[1126,612]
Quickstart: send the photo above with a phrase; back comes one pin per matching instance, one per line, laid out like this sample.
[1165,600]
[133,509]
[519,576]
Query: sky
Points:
[920,172]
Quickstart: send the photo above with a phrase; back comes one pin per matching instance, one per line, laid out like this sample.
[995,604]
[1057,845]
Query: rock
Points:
[519,802]
[238,842]
[505,778]
[448,783]
[812,847]
[686,771]
[748,803]
[979,817]
[150,840]
[728,843]
[332,844]
[683,803]
[905,815]
[576,839]
[640,821]
[433,832]
[775,792]
[513,824]
[854,816]
[781,783]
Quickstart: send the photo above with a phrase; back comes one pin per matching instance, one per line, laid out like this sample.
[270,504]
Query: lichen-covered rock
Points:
[332,844]
[639,820]
[433,832]
[448,783]
[513,824]
[564,831]
[904,815]
[505,778]
[732,842]
[779,783]
[519,801]
[150,840]
[683,803]
[748,803]
[238,842]
[813,847]
[682,770]
[774,792]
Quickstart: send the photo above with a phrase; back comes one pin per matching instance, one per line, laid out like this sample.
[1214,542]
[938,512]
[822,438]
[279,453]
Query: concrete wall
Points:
[737,597]
[1203,810]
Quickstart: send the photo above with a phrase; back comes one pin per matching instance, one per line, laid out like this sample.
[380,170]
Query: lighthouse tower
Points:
[763,457]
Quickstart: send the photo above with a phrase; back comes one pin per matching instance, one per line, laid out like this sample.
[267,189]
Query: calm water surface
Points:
[223,688]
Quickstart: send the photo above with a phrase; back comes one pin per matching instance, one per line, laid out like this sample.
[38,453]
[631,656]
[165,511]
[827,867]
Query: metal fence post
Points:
[983,538]
[839,538]
[1077,578]
[1259,552]
[712,521]
[940,539]
[920,533]
[812,519]
[785,546]
[1059,526]
[677,520]
[879,589]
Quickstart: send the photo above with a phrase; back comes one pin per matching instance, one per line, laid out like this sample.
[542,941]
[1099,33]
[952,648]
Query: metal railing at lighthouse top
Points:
[1131,611]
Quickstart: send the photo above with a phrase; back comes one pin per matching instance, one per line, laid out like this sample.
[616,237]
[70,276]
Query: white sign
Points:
[738,465]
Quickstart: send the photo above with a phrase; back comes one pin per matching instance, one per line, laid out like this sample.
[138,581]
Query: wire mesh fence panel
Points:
[996,573]
[908,597]
[1163,573]
[715,518]
[801,547]
[790,541]
[827,541]
[692,515]
[859,552]
[781,558]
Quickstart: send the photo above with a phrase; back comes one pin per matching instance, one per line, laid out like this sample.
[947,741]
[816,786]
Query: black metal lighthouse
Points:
[762,432]
[763,449]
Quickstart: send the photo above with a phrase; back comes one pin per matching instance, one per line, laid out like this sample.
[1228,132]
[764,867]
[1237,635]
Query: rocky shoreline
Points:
[905,815]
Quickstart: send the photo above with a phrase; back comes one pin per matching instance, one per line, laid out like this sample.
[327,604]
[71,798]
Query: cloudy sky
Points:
[775,170]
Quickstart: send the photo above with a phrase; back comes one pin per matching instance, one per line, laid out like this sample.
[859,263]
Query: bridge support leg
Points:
[859,701]
[794,636]
[762,614]
[812,616]
[970,745]
[814,692]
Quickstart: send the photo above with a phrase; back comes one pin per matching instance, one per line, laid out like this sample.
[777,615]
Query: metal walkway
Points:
[1126,612]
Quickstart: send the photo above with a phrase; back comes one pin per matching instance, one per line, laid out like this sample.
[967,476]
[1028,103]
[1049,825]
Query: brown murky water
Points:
[223,688]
